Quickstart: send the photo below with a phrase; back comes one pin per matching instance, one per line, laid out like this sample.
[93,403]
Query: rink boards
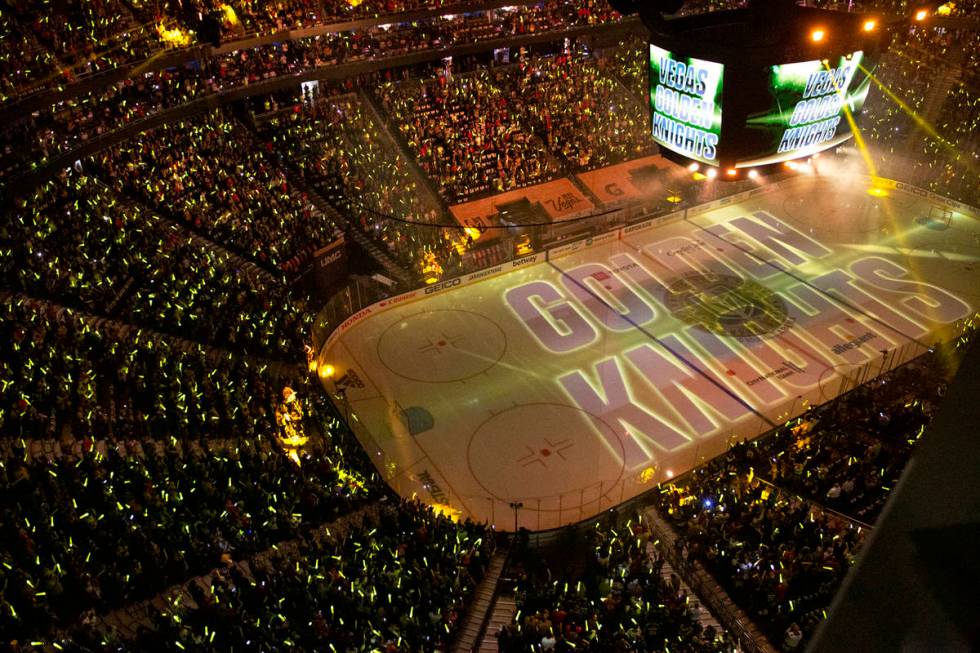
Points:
[571,380]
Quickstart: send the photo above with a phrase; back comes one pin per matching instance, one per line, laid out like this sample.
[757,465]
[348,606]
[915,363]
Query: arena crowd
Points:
[779,521]
[155,345]
[620,600]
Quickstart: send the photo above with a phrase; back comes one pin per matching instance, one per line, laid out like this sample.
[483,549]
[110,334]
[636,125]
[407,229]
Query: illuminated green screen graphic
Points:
[807,111]
[685,101]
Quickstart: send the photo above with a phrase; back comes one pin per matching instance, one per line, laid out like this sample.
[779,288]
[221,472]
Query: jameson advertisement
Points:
[807,111]
[685,98]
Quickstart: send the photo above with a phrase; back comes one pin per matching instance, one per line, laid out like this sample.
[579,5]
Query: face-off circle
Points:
[441,346]
[725,304]
[543,451]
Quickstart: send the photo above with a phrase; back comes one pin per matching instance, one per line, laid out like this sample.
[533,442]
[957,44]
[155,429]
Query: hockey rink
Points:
[570,381]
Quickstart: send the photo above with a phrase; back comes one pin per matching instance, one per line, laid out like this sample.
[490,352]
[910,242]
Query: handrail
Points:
[47,96]
[815,503]
[293,33]
[488,615]
[693,573]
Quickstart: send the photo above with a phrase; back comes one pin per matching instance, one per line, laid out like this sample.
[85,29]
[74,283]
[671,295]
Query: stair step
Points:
[481,604]
[717,598]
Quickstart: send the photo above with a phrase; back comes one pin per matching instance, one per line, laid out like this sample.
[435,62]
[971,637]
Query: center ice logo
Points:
[726,305]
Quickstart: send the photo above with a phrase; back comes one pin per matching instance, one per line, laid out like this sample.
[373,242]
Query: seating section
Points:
[77,243]
[468,136]
[23,62]
[779,557]
[931,141]
[90,37]
[71,376]
[568,136]
[851,455]
[498,129]
[172,476]
[400,583]
[621,601]
[588,117]
[763,519]
[100,530]
[149,383]
[208,174]
[72,40]
[344,154]
[630,66]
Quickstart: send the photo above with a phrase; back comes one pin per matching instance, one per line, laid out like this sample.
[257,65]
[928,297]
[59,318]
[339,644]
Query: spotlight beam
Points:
[919,122]
[866,154]
[858,138]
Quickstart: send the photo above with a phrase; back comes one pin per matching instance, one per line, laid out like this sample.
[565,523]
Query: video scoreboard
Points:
[803,111]
[809,109]
[751,88]
[685,98]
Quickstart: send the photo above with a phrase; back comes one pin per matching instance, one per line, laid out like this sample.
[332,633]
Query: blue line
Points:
[673,353]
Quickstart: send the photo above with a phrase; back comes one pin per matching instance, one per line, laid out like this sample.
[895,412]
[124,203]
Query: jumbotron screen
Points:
[685,102]
[807,114]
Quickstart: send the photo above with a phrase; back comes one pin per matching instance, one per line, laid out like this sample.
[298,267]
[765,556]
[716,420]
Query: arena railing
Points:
[907,173]
[40,95]
[816,504]
[887,183]
[253,39]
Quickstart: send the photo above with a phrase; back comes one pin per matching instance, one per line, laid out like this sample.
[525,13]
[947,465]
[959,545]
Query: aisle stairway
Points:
[504,610]
[389,128]
[391,267]
[483,602]
[950,74]
[697,582]
[667,573]
[311,194]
